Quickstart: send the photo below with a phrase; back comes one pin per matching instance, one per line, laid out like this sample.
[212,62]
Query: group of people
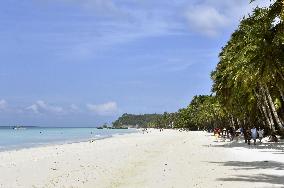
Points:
[248,134]
[253,134]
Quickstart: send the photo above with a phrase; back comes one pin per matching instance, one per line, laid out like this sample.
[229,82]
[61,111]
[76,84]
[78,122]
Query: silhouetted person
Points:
[273,138]
[232,133]
[245,135]
[248,132]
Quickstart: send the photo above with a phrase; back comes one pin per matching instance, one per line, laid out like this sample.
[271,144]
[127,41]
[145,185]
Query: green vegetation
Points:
[131,120]
[144,121]
[248,82]
[202,113]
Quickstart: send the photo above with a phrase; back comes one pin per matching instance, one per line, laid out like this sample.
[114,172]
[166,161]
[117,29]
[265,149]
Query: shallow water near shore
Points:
[11,139]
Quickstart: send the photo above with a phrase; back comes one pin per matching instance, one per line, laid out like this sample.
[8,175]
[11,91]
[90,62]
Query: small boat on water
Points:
[19,128]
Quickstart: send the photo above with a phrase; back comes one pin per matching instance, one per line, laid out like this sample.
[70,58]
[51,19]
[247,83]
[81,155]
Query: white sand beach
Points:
[157,159]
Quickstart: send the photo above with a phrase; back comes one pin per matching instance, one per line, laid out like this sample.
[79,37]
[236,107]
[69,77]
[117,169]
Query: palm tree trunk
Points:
[232,120]
[267,109]
[280,74]
[263,111]
[280,91]
[277,118]
[238,123]
[268,120]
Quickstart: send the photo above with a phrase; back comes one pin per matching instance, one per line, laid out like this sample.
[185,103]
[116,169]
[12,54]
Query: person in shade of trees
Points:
[254,134]
[248,136]
[232,133]
[245,132]
[260,134]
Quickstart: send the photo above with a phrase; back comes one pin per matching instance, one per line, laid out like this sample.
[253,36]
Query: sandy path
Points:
[167,159]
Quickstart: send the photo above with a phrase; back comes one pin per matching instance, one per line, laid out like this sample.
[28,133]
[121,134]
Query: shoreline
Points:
[55,143]
[58,142]
[155,159]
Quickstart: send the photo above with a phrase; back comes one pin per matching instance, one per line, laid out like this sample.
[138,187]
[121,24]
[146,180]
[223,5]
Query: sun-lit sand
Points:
[157,159]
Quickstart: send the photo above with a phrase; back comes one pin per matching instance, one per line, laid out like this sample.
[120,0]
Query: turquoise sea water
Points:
[35,136]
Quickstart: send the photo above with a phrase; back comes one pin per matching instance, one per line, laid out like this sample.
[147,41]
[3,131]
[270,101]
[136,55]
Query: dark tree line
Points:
[145,120]
[131,120]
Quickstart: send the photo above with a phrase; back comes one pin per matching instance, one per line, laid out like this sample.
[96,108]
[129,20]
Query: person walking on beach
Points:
[260,134]
[245,133]
[216,133]
[224,132]
[248,136]
[254,134]
[232,133]
[242,131]
[238,134]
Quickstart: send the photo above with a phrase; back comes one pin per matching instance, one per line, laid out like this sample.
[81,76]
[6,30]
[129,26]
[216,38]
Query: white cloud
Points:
[210,17]
[112,23]
[207,20]
[42,107]
[34,108]
[74,108]
[3,104]
[112,33]
[106,109]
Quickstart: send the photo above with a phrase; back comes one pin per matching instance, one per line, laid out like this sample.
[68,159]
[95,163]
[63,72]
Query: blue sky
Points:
[85,62]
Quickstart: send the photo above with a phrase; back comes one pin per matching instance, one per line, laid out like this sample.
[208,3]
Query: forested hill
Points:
[131,120]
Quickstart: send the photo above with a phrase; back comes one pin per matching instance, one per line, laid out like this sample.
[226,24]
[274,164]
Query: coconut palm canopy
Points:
[248,81]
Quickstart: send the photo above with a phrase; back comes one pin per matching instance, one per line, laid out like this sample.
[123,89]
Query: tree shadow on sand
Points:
[241,165]
[260,178]
[278,146]
[254,165]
